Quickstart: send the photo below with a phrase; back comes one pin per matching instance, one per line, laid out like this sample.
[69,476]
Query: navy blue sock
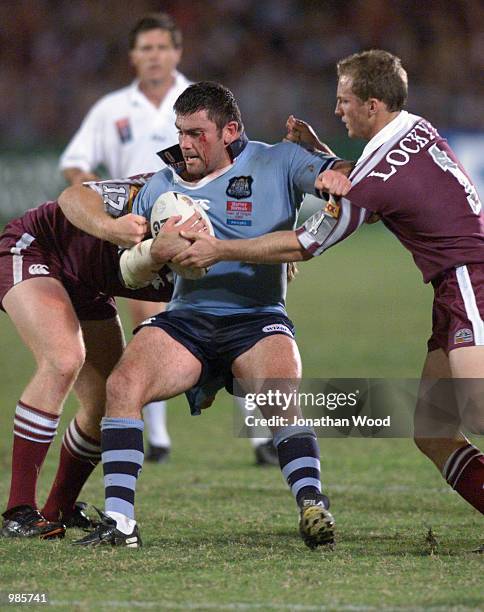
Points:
[122,457]
[299,461]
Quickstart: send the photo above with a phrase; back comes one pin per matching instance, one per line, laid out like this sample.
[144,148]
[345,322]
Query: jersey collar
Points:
[402,121]
[173,157]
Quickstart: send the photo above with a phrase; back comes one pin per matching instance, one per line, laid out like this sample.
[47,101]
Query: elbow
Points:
[64,198]
[70,196]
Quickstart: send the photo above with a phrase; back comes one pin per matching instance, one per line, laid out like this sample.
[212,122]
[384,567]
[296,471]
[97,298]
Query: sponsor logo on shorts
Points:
[277,327]
[148,321]
[38,269]
[463,335]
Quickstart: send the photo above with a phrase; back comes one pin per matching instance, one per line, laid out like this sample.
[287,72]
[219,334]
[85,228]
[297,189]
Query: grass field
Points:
[221,534]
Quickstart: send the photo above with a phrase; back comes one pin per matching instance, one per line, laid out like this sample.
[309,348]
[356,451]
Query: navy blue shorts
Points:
[216,341]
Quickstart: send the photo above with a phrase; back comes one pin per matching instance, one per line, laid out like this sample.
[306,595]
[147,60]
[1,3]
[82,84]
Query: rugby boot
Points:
[27,522]
[316,523]
[266,454]
[107,533]
[79,518]
[157,454]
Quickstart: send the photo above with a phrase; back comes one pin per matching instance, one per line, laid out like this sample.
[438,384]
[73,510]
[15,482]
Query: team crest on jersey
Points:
[124,130]
[240,187]
[463,335]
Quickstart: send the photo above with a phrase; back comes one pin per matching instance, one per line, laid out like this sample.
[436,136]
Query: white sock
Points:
[124,524]
[259,441]
[240,401]
[154,415]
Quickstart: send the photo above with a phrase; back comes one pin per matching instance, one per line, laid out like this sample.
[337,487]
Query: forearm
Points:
[137,266]
[84,208]
[271,248]
[76,176]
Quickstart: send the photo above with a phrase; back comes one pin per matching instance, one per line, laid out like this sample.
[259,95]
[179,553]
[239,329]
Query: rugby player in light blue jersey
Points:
[230,323]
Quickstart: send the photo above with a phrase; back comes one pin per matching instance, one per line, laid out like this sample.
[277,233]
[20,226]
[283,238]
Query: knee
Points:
[473,420]
[123,392]
[63,365]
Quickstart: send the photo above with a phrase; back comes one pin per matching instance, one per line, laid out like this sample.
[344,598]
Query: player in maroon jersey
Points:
[409,176]
[56,285]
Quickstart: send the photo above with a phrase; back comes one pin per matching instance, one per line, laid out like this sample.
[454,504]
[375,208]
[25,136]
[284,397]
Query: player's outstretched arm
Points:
[277,247]
[84,208]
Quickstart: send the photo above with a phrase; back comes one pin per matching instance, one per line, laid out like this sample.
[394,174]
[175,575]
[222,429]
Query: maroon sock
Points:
[464,471]
[79,456]
[33,431]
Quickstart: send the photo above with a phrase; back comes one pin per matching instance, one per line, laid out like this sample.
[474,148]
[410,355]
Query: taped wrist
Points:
[136,266]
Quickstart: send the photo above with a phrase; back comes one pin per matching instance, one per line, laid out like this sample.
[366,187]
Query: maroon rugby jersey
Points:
[82,258]
[409,176]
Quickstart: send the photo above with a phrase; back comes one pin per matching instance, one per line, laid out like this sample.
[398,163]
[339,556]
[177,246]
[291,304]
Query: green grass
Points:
[220,533]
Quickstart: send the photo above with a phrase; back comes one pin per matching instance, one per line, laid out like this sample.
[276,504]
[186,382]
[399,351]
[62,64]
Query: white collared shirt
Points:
[123,131]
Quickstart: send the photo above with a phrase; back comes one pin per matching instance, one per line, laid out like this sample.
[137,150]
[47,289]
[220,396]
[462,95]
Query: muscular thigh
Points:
[273,364]
[276,356]
[156,366]
[42,312]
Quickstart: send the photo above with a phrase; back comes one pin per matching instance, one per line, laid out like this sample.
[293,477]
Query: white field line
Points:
[170,605]
[383,489]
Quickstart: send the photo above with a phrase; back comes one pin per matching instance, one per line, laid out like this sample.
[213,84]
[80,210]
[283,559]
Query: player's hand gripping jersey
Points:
[260,192]
[409,176]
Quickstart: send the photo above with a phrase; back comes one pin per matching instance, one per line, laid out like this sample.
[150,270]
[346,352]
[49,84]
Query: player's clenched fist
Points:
[127,231]
[333,182]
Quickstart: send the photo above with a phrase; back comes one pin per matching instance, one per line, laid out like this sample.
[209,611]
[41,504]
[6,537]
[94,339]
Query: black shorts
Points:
[216,341]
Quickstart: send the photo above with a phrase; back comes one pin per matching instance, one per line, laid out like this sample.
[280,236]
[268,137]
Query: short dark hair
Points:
[217,100]
[155,21]
[376,74]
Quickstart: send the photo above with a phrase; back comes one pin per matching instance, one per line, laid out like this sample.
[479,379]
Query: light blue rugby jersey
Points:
[260,192]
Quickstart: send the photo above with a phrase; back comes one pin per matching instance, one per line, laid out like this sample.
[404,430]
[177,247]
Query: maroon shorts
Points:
[22,257]
[458,309]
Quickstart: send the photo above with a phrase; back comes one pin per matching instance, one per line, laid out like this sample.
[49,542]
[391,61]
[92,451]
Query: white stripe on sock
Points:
[80,443]
[38,419]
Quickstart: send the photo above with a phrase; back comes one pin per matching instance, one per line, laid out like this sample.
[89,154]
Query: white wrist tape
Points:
[136,266]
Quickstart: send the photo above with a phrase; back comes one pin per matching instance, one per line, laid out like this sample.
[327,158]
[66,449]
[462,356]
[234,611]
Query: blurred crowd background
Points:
[57,57]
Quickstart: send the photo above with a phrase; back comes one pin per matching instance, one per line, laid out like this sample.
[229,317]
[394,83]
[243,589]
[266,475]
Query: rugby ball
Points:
[171,204]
